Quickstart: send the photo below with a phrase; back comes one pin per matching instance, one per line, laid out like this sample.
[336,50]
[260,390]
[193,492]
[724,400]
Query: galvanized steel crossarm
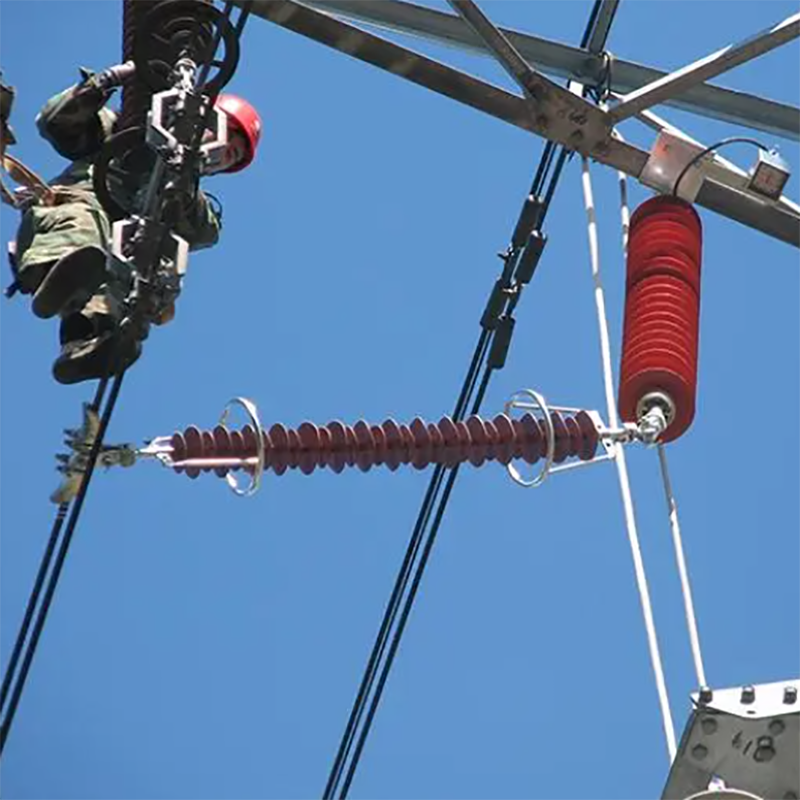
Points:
[560,116]
[574,63]
[300,18]
[702,70]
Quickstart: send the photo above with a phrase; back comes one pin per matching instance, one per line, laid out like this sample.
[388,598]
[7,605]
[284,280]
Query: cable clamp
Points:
[80,441]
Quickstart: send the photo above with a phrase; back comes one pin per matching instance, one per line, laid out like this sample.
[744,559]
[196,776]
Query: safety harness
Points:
[32,190]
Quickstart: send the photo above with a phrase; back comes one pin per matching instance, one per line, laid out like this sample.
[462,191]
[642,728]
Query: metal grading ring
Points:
[255,481]
[539,401]
[728,793]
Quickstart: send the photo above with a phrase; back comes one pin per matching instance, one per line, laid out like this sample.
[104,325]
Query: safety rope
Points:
[34,187]
[622,469]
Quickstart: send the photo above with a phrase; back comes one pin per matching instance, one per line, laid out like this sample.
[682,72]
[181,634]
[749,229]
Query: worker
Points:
[60,251]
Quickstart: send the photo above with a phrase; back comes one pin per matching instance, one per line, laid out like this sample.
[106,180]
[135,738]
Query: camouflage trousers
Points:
[47,233]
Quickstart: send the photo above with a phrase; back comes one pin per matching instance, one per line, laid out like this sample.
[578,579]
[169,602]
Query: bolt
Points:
[765,750]
[602,148]
[709,725]
[699,751]
[790,695]
[777,727]
[706,695]
[748,694]
[542,121]
[576,136]
[764,754]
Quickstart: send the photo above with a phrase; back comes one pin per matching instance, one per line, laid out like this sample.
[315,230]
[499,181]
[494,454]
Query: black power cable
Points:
[392,606]
[412,569]
[58,565]
[44,566]
[710,149]
[497,323]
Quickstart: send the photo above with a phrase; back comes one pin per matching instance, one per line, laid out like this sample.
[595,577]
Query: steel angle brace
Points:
[702,70]
[551,111]
[558,115]
[574,63]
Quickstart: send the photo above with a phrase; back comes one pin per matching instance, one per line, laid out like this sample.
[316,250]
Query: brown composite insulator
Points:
[421,443]
[136,95]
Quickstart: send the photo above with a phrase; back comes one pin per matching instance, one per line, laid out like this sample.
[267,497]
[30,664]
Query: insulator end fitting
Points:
[654,414]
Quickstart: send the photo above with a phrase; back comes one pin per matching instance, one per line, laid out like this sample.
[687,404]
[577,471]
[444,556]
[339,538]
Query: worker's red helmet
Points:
[245,119]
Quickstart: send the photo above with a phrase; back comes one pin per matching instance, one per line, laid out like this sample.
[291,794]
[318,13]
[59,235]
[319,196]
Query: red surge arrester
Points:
[662,310]
[337,445]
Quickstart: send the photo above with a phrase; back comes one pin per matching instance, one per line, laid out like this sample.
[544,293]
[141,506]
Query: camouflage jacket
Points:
[77,125]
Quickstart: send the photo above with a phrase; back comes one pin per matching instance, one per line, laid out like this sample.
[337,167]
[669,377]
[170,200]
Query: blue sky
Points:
[205,646]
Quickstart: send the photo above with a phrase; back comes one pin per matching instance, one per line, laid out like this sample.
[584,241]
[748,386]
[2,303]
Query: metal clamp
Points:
[80,441]
[171,133]
[255,480]
[608,438]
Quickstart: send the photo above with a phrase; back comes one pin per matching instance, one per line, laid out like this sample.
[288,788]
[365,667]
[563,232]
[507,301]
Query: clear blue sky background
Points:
[205,646]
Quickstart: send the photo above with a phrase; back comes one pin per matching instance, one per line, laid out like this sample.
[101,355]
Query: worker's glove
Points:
[109,79]
[167,314]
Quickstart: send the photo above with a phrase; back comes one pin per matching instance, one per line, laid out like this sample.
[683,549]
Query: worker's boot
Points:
[91,348]
[73,279]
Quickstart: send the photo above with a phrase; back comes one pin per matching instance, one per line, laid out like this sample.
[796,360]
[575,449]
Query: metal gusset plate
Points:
[744,738]
[185,28]
[573,63]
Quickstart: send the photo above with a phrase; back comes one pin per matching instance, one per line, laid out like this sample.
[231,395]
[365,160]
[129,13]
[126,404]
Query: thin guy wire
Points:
[686,589]
[622,470]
